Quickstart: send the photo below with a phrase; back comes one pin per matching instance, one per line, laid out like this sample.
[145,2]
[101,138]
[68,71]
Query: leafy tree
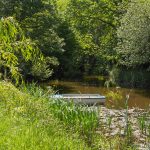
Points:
[24,8]
[61,6]
[94,24]
[134,35]
[68,59]
[41,27]
[38,18]
[18,54]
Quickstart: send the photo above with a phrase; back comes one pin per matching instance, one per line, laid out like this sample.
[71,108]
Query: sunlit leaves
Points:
[94,24]
[16,51]
[42,27]
[134,35]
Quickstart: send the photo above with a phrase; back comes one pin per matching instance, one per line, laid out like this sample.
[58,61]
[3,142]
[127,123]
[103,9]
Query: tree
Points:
[41,28]
[18,54]
[38,18]
[68,59]
[134,35]
[24,8]
[94,24]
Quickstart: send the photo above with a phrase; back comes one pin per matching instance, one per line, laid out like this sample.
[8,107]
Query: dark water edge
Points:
[138,97]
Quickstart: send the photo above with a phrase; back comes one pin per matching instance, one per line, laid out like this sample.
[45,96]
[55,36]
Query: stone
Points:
[115,132]
[118,123]
[137,134]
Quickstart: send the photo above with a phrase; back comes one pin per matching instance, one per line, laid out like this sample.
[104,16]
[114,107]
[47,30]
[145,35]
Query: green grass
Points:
[26,122]
[30,120]
[80,119]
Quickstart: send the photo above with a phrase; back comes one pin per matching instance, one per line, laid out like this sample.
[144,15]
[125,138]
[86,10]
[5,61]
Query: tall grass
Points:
[81,119]
[26,122]
[84,121]
[30,119]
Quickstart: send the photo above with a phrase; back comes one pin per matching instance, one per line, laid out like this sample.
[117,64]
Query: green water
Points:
[138,97]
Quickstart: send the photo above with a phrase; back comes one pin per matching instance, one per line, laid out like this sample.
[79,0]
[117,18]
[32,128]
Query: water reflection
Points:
[138,98]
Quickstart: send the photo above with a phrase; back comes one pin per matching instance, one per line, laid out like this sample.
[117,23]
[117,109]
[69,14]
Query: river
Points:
[137,97]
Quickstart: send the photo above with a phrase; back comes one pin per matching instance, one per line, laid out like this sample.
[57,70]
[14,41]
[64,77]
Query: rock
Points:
[137,134]
[111,113]
[112,126]
[115,132]
[118,123]
[142,140]
[122,132]
[131,111]
[121,123]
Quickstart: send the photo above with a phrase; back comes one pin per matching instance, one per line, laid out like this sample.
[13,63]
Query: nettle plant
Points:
[18,54]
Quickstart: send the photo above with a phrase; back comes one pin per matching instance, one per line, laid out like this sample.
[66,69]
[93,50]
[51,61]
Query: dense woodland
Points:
[45,39]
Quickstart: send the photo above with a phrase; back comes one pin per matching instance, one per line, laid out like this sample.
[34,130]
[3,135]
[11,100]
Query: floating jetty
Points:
[88,99]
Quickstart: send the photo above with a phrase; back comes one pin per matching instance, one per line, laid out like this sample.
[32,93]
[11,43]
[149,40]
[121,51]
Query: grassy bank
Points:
[30,120]
[26,122]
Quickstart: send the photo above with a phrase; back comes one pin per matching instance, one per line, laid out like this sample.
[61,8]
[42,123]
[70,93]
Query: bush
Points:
[115,98]
[133,78]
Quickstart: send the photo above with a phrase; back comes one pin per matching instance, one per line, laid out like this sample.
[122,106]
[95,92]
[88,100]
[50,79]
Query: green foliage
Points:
[27,123]
[42,69]
[83,37]
[13,44]
[135,78]
[29,119]
[114,98]
[94,25]
[83,119]
[69,66]
[111,81]
[41,28]
[62,6]
[39,21]
[22,9]
[80,34]
[18,54]
[134,32]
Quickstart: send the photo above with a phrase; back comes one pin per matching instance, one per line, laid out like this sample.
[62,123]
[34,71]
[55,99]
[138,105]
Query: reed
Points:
[109,122]
[81,119]
[142,124]
[30,119]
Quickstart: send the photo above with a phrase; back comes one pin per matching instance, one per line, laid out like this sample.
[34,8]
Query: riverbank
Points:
[26,122]
[133,124]
[30,120]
